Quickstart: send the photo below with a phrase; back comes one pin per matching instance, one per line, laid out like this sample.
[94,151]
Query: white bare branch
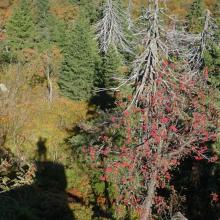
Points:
[196,53]
[129,12]
[110,29]
[192,46]
[156,47]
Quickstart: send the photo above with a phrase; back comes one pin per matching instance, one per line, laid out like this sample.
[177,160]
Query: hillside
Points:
[68,142]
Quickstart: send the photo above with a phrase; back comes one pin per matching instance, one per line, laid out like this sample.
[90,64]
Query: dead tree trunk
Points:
[49,81]
[150,195]
[152,187]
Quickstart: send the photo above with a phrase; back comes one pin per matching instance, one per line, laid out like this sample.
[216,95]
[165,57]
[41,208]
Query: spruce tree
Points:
[21,30]
[212,54]
[51,30]
[80,59]
[42,11]
[90,8]
[106,78]
[194,18]
[212,61]
[57,30]
[111,61]
[42,8]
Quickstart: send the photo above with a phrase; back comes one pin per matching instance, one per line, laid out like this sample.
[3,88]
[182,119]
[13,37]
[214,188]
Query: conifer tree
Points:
[80,60]
[42,11]
[50,28]
[21,30]
[42,7]
[107,78]
[110,69]
[90,8]
[212,54]
[195,20]
[57,30]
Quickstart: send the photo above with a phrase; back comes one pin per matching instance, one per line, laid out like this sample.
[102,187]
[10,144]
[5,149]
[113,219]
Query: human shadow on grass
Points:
[41,149]
[45,199]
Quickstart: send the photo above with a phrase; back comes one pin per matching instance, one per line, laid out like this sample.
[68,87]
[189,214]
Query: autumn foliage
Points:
[179,121]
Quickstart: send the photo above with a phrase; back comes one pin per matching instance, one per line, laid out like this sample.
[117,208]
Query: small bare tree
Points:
[48,72]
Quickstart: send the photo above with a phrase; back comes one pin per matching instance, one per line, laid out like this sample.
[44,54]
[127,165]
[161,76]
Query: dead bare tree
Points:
[110,29]
[149,63]
[191,46]
[196,56]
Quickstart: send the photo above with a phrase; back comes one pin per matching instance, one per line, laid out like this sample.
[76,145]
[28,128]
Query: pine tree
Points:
[42,11]
[212,54]
[80,60]
[90,8]
[42,8]
[57,30]
[21,30]
[216,15]
[212,61]
[106,78]
[111,62]
[51,30]
[195,20]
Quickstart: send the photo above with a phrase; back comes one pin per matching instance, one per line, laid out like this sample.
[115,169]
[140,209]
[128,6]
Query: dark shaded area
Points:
[104,100]
[45,199]
[197,180]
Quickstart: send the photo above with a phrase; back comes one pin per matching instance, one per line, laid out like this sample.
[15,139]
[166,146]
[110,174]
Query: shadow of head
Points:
[42,149]
[51,175]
